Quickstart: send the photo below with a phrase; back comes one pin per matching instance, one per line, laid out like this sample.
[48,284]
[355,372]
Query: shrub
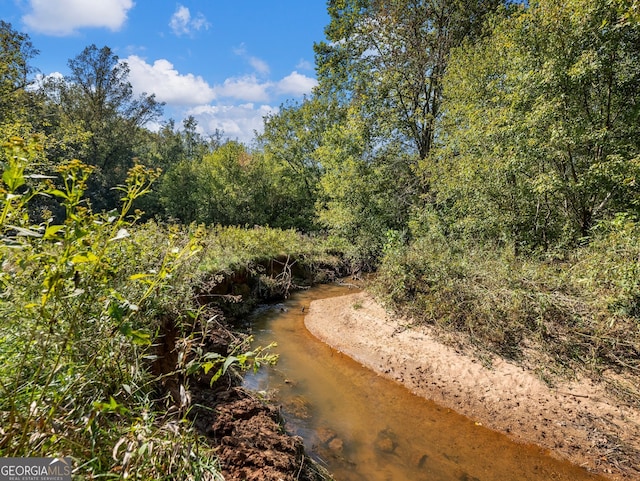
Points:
[577,309]
[78,315]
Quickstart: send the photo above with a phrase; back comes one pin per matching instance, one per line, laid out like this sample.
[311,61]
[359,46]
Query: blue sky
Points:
[226,62]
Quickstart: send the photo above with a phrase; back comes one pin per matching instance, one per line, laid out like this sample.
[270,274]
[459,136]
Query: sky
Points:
[228,63]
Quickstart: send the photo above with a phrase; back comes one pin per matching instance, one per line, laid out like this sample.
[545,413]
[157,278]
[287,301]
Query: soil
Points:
[251,444]
[579,420]
[248,435]
[245,431]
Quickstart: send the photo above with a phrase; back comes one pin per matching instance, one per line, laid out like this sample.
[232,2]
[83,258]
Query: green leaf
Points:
[13,177]
[52,230]
[230,360]
[84,258]
[207,366]
[135,277]
[58,193]
[111,407]
[140,338]
[117,312]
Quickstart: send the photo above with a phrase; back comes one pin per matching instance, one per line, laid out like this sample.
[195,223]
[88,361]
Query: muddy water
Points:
[364,427]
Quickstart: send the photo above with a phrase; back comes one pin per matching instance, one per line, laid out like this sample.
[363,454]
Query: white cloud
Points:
[242,102]
[304,65]
[167,83]
[236,121]
[181,22]
[40,80]
[250,89]
[64,17]
[258,64]
[296,84]
[247,88]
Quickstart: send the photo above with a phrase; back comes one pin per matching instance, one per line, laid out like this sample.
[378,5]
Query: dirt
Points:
[580,420]
[245,431]
[249,440]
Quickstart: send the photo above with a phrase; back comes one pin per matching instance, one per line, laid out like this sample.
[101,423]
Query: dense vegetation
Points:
[84,301]
[482,156]
[90,283]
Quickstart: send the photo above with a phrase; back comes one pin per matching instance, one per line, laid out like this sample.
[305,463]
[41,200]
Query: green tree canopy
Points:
[541,139]
[389,57]
[16,50]
[98,97]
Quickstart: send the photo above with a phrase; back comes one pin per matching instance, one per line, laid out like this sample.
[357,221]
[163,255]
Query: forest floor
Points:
[578,420]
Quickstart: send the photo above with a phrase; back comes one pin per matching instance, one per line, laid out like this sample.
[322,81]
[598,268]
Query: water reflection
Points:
[365,427]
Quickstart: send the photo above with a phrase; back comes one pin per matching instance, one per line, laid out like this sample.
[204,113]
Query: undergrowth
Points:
[82,302]
[573,311]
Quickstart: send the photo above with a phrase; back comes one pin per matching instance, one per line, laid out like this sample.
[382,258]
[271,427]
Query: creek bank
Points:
[247,432]
[578,421]
[238,292]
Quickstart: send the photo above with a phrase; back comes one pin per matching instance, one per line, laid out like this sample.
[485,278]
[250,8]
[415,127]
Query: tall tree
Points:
[543,123]
[98,96]
[291,137]
[382,69]
[362,196]
[389,57]
[16,50]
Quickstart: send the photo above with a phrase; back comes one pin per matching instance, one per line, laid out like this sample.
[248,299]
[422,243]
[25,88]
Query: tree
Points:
[217,190]
[389,57]
[16,50]
[381,73]
[542,129]
[234,186]
[362,198]
[290,140]
[98,96]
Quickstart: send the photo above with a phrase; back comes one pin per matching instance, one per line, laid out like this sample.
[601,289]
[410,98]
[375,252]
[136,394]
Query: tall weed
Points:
[576,310]
[82,302]
[78,306]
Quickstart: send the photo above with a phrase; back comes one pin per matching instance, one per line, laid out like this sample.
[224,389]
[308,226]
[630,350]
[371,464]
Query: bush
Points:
[576,310]
[84,301]
[79,310]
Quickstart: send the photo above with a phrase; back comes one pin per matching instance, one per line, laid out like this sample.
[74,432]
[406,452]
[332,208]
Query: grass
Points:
[563,313]
[82,302]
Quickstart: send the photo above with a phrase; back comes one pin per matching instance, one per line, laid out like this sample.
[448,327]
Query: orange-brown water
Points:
[364,427]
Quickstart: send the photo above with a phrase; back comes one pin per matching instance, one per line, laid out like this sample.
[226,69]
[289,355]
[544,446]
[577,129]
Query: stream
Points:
[361,426]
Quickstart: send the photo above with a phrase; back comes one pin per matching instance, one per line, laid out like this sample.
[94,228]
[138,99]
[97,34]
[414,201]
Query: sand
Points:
[577,421]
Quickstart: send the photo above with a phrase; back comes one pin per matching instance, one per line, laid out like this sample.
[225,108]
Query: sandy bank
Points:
[577,421]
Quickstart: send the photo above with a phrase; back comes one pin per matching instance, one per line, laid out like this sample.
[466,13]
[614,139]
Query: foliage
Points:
[540,138]
[361,199]
[388,59]
[240,356]
[565,313]
[289,141]
[483,154]
[229,249]
[373,114]
[84,300]
[78,307]
[16,50]
[231,186]
[98,98]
